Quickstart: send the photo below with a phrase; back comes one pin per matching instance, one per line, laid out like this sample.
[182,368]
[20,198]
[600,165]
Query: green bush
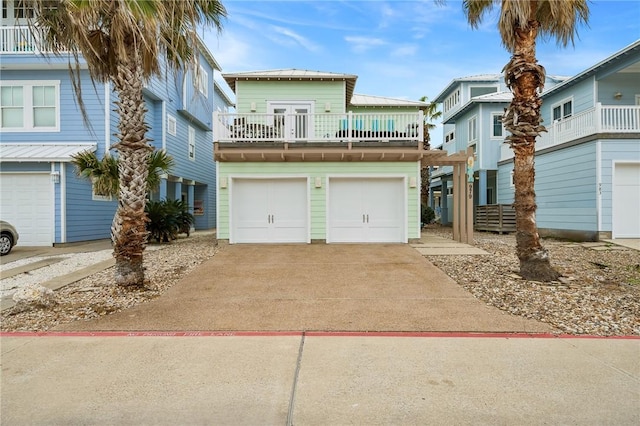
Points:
[167,219]
[427,215]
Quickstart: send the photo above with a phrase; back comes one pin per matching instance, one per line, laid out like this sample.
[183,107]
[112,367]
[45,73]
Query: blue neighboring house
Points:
[41,128]
[472,110]
[587,163]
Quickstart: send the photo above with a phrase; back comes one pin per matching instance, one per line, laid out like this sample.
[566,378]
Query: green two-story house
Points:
[304,159]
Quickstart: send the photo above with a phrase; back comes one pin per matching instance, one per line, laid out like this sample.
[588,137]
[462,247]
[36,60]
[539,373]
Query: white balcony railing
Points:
[323,127]
[601,119]
[17,40]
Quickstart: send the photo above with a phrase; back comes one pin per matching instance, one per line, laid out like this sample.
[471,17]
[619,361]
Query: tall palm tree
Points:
[519,24]
[431,114]
[123,42]
[104,173]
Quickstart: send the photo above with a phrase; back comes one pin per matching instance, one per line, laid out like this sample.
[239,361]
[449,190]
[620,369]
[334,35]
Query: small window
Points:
[497,128]
[97,196]
[562,111]
[202,80]
[512,182]
[192,143]
[172,125]
[449,137]
[479,91]
[473,129]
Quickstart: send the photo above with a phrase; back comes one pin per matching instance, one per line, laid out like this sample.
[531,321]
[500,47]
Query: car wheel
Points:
[5,244]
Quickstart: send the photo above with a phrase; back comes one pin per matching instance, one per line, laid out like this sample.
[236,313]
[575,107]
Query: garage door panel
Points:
[26,201]
[269,211]
[366,210]
[626,201]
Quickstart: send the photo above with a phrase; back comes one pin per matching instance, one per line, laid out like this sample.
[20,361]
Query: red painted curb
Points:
[309,334]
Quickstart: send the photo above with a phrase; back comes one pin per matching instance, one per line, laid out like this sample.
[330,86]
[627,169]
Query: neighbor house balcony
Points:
[347,136]
[609,121]
[18,40]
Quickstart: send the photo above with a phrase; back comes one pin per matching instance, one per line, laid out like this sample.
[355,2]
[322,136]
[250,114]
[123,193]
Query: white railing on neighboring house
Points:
[18,40]
[321,127]
[601,119]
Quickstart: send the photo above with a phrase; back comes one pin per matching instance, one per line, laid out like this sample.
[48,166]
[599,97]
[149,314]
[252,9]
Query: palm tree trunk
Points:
[128,231]
[525,77]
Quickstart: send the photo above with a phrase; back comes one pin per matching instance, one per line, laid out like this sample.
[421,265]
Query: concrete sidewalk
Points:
[316,379]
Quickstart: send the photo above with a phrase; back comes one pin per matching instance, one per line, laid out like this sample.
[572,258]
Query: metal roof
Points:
[619,57]
[44,152]
[454,83]
[368,100]
[489,98]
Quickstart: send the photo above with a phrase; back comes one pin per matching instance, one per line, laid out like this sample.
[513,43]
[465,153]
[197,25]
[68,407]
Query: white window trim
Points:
[172,125]
[201,77]
[472,139]
[27,96]
[499,114]
[97,197]
[191,140]
[482,86]
[561,105]
[637,99]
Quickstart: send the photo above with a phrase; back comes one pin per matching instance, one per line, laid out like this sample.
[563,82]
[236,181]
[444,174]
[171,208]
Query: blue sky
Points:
[401,49]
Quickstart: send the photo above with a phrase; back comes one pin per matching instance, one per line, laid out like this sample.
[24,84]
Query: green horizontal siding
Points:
[322,170]
[319,92]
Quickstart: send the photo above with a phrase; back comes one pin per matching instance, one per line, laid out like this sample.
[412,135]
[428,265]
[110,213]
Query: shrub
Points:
[427,215]
[167,219]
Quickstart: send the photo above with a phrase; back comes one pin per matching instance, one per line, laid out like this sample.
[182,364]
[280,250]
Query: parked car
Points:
[8,237]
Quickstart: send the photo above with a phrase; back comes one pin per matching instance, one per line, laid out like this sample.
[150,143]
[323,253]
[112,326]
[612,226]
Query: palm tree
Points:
[123,42]
[104,173]
[431,113]
[520,24]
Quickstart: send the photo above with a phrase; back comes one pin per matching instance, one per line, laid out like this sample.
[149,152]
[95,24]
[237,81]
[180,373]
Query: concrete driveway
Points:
[381,287]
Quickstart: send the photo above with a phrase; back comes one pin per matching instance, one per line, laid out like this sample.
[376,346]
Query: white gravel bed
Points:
[71,262]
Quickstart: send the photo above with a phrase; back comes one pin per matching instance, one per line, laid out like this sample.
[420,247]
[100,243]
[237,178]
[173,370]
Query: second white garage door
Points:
[366,210]
[269,211]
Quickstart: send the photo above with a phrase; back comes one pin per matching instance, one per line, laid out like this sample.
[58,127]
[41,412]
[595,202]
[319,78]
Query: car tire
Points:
[6,243]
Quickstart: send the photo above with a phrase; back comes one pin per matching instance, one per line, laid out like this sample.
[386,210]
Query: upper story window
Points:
[449,137]
[24,9]
[451,101]
[172,125]
[562,110]
[473,129]
[497,129]
[192,143]
[32,106]
[481,90]
[202,80]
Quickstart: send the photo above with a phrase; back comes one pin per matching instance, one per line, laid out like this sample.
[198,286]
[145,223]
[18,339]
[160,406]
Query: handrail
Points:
[326,127]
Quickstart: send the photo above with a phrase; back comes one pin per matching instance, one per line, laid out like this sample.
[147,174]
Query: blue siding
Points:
[565,185]
[86,219]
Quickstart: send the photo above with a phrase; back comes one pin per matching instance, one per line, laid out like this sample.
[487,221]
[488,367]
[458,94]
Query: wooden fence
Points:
[495,217]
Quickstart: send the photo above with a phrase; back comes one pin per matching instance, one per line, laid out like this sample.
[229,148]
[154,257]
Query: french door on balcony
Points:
[292,120]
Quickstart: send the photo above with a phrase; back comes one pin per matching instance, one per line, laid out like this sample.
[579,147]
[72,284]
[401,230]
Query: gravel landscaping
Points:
[598,293]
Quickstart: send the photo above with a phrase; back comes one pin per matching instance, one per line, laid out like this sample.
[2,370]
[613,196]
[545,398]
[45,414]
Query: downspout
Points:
[107,118]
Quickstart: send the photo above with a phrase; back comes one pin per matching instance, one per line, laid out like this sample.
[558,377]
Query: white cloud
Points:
[291,36]
[364,44]
[405,50]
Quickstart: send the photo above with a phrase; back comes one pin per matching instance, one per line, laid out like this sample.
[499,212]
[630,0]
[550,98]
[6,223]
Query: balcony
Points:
[319,137]
[18,40]
[598,120]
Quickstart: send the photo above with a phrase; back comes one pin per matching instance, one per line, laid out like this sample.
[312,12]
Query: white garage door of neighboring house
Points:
[626,200]
[269,211]
[27,203]
[366,210]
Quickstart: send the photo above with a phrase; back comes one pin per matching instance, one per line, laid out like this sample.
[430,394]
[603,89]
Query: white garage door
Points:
[369,210]
[27,203]
[626,201]
[269,211]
